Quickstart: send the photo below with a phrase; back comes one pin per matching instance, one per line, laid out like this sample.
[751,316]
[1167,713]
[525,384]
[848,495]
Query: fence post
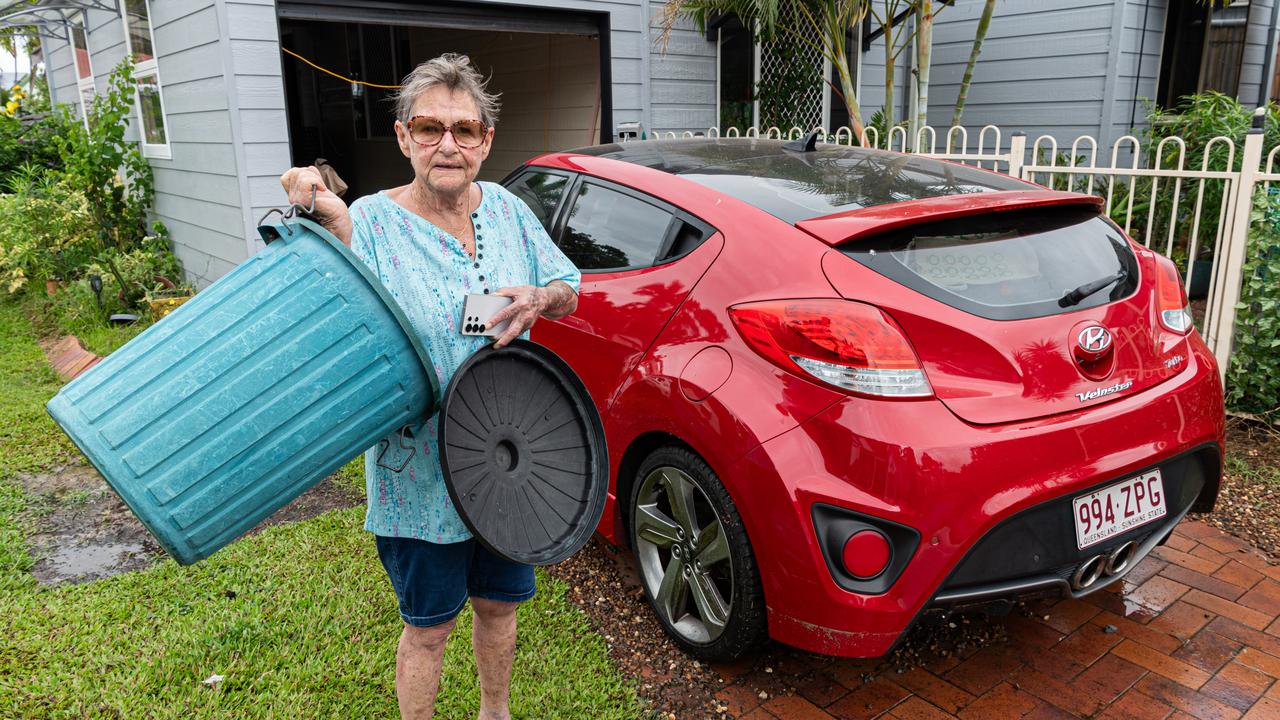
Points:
[1017,154]
[1232,251]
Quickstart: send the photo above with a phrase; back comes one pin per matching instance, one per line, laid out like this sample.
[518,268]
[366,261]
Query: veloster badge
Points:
[1099,392]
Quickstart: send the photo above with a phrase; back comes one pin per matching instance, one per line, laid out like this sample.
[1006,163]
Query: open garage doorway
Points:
[554,86]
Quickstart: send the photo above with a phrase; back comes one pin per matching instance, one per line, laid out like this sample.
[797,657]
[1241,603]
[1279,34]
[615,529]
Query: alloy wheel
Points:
[683,555]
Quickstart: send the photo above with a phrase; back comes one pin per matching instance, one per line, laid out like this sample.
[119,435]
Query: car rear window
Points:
[1007,265]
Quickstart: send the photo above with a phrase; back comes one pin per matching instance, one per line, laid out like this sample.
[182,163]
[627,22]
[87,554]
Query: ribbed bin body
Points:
[250,393]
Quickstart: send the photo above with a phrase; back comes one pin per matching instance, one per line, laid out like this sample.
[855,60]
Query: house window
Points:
[84,65]
[1203,50]
[140,43]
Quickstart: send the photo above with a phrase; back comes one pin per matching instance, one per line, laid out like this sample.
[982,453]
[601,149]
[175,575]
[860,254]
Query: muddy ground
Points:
[81,530]
[1249,501]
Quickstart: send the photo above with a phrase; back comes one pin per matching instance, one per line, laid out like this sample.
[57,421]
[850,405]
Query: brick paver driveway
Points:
[1190,633]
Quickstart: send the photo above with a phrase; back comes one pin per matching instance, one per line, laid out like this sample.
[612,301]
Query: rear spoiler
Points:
[852,225]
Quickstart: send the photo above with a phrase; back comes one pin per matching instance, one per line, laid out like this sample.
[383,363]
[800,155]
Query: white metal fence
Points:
[1195,210]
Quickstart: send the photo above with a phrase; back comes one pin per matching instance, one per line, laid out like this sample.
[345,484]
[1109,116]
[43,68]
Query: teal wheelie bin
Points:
[250,393]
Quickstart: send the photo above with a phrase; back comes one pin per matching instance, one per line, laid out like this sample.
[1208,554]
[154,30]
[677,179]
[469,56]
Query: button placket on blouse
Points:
[478,228]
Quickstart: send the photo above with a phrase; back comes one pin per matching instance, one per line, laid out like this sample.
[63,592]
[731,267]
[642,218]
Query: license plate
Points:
[1118,508]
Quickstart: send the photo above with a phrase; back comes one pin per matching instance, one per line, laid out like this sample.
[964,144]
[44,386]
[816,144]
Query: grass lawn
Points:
[300,620]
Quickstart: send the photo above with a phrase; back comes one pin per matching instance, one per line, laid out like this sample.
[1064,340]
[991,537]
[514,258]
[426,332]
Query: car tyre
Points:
[694,558]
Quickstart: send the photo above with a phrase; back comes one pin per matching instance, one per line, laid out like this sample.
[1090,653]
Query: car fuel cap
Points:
[523,453]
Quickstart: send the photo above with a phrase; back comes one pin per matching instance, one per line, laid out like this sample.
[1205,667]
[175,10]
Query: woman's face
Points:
[445,168]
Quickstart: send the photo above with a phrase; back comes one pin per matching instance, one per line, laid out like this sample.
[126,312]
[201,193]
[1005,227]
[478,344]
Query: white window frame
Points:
[81,19]
[145,70]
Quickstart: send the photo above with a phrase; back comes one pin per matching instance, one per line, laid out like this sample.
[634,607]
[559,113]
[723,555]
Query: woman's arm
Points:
[529,303]
[561,300]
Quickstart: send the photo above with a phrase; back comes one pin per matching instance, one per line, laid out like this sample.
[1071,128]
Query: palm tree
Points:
[891,16]
[801,20]
[984,22]
[926,11]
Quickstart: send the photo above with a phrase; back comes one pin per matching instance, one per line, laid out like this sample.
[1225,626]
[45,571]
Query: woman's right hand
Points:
[330,211]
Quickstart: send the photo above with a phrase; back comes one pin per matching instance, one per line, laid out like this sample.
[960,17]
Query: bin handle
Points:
[385,445]
[294,210]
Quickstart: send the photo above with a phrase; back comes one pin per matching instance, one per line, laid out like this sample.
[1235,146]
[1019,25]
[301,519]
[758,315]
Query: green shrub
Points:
[1197,119]
[83,219]
[86,213]
[1253,379]
[98,161]
[75,309]
[29,141]
[49,229]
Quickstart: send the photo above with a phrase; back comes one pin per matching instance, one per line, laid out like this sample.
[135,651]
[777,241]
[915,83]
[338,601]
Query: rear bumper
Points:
[1035,550]
[971,492]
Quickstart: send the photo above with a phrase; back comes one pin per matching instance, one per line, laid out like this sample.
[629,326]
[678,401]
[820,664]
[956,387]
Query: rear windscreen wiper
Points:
[1073,297]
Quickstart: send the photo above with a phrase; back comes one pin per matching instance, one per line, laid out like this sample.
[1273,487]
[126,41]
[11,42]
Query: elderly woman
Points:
[431,242]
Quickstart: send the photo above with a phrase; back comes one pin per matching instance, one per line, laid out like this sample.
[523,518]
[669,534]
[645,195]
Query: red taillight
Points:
[850,345]
[1171,298]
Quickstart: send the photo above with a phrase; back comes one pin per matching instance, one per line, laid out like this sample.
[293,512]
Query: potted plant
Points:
[1201,270]
[164,296]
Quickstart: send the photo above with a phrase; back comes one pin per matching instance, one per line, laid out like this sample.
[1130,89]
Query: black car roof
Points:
[795,186]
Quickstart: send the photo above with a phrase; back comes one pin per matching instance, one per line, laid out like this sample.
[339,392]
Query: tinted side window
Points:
[541,192]
[687,238]
[608,230]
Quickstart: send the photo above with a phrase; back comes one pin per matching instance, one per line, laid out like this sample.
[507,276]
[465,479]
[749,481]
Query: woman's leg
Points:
[419,659]
[493,638]
[497,586]
[430,581]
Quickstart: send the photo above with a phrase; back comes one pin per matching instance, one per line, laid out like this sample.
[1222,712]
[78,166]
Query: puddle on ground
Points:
[82,531]
[92,561]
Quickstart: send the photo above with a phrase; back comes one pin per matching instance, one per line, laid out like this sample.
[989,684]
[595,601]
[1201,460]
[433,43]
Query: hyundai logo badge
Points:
[1094,340]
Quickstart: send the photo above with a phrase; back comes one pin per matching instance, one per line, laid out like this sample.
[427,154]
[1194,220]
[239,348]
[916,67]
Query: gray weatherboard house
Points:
[223,110]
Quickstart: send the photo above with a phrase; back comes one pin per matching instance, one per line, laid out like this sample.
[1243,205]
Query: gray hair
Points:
[453,71]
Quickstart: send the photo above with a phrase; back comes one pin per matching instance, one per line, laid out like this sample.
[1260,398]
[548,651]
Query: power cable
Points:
[334,74]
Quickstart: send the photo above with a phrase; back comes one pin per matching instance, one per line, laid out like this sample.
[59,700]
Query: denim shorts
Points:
[432,580]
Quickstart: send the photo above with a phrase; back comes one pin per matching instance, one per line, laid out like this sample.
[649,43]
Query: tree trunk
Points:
[889,61]
[850,100]
[979,35]
[924,56]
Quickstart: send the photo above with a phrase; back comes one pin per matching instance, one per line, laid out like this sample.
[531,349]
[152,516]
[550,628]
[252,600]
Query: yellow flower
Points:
[17,279]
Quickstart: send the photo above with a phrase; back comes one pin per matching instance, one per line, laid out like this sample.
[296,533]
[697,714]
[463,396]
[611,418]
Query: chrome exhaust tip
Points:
[1089,572]
[1119,559]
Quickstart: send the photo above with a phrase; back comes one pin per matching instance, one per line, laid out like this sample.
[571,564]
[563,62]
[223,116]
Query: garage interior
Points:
[550,68]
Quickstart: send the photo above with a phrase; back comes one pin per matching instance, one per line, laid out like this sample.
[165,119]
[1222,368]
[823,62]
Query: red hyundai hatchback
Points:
[846,389]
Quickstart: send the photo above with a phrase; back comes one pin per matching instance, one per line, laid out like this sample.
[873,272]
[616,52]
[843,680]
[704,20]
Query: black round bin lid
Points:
[523,453]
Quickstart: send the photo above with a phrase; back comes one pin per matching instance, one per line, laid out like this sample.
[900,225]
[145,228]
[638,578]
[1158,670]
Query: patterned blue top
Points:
[428,272]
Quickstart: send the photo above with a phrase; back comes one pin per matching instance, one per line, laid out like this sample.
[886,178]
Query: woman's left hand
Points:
[527,304]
